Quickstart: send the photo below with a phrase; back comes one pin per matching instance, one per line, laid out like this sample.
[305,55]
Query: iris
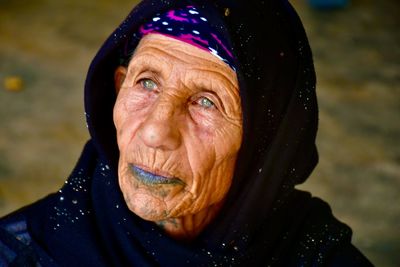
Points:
[149,84]
[206,103]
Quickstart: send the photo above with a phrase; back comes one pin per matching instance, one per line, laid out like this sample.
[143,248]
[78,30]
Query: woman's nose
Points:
[159,129]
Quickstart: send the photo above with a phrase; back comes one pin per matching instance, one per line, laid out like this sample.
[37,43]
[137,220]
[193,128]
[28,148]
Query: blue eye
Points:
[206,103]
[148,84]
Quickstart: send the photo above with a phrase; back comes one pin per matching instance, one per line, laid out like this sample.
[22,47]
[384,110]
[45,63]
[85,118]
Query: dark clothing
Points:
[264,222]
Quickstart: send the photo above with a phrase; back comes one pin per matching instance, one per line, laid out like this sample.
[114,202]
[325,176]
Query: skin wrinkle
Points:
[226,95]
[147,59]
[224,114]
[145,210]
[225,81]
[170,51]
[163,131]
[170,168]
[185,54]
[215,73]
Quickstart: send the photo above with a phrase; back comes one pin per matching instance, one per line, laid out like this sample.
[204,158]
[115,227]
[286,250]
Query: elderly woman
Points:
[203,118]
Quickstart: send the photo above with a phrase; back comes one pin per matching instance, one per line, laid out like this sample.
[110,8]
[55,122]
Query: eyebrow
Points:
[216,82]
[219,85]
[149,63]
[219,77]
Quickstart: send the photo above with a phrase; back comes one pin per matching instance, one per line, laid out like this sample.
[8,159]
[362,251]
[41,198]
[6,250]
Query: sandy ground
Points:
[48,46]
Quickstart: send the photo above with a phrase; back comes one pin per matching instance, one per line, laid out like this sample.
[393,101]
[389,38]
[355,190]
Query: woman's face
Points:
[179,128]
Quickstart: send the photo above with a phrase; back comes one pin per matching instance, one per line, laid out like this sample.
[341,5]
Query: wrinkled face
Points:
[179,128]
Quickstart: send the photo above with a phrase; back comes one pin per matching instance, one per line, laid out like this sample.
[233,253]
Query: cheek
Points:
[130,109]
[208,152]
[206,121]
[227,142]
[214,135]
[212,156]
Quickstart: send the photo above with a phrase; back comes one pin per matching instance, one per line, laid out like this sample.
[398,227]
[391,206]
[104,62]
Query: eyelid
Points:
[214,87]
[212,96]
[151,75]
[216,100]
[148,76]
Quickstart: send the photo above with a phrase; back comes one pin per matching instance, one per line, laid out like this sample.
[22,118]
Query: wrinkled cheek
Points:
[126,131]
[117,118]
[222,178]
[123,121]
[227,143]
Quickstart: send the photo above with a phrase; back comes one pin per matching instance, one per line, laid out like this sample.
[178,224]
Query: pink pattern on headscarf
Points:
[220,43]
[143,31]
[171,15]
[187,39]
[190,37]
[189,26]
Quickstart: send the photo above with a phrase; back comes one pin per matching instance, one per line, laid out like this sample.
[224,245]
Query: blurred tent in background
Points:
[45,50]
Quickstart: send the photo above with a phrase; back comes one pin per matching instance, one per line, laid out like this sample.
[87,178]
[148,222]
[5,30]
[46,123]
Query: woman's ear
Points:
[119,77]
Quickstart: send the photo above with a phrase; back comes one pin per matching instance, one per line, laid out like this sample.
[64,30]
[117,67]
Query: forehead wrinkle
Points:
[195,60]
[219,75]
[170,45]
[147,60]
[224,86]
[172,48]
[168,51]
[198,57]
[190,64]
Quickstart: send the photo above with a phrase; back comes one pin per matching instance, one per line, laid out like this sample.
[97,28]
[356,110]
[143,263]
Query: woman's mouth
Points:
[151,178]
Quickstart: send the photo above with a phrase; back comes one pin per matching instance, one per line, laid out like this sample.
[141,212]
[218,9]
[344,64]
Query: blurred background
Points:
[45,50]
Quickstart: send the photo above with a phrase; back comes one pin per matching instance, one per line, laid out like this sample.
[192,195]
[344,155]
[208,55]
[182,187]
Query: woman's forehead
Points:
[159,51]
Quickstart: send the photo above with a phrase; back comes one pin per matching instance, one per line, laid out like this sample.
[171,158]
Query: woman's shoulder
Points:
[15,241]
[326,239]
[17,248]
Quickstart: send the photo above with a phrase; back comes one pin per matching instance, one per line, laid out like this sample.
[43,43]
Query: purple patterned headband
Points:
[188,25]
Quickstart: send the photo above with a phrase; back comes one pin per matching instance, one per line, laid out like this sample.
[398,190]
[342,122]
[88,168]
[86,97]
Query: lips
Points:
[150,178]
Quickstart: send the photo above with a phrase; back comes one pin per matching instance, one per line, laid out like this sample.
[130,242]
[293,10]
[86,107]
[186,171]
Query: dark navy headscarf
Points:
[188,25]
[265,221]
